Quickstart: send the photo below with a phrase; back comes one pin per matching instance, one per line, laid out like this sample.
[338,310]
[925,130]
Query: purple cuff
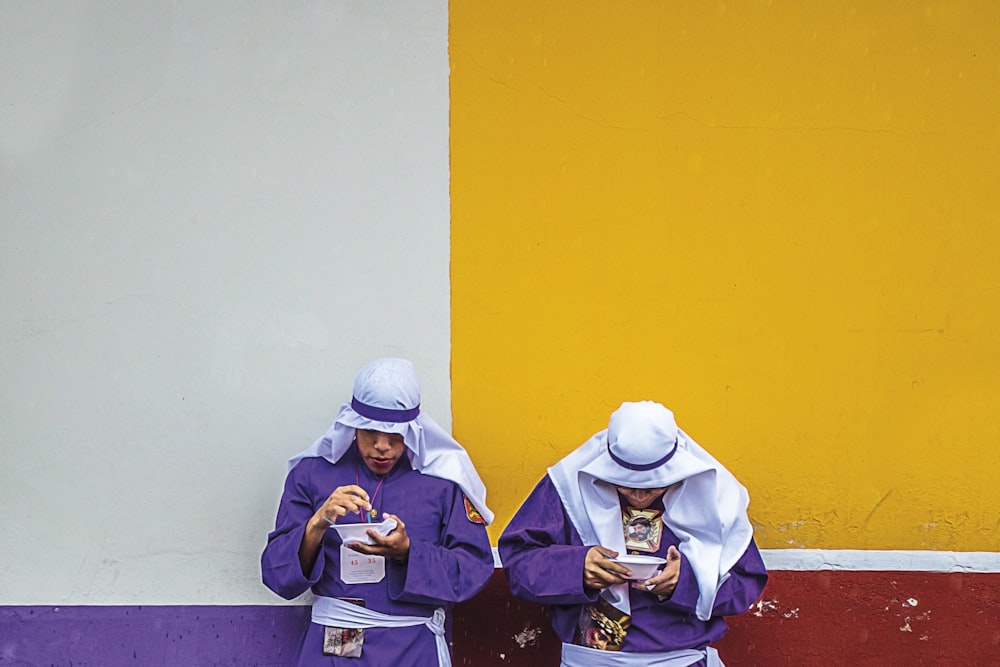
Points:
[384,414]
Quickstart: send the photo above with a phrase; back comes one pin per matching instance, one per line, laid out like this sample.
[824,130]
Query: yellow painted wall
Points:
[780,219]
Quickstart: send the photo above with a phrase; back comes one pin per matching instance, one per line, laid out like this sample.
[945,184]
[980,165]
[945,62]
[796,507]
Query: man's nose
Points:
[382,441]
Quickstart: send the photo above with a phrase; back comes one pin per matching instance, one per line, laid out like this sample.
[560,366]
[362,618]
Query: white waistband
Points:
[341,614]
[581,656]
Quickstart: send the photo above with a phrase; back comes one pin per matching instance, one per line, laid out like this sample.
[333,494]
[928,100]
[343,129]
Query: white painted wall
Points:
[212,214]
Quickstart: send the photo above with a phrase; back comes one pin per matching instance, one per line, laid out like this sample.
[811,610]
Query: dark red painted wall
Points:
[803,618]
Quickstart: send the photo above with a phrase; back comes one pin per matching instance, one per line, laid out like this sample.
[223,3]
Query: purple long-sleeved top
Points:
[450,558]
[543,558]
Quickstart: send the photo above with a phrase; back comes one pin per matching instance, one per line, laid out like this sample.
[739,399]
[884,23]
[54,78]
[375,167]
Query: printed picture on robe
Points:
[344,642]
[602,626]
[643,529]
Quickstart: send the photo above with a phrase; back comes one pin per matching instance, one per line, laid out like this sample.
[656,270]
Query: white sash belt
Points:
[340,614]
[581,656]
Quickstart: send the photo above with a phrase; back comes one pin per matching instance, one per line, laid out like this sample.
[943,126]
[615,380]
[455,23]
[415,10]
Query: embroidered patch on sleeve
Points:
[472,513]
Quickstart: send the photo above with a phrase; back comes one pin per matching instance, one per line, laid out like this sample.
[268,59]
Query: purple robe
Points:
[450,556]
[543,558]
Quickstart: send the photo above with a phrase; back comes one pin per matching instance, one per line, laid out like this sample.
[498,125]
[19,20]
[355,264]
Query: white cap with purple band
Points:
[386,398]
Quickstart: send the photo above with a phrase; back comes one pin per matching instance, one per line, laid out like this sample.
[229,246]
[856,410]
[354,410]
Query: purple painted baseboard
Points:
[150,636]
[492,629]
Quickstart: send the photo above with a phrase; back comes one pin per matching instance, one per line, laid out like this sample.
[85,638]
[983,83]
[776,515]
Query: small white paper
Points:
[358,532]
[359,568]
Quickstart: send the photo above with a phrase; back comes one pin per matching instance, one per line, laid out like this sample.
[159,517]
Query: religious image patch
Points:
[643,529]
[602,626]
[472,513]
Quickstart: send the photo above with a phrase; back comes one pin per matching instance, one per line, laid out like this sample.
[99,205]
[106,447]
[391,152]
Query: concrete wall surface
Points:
[776,218]
[212,215]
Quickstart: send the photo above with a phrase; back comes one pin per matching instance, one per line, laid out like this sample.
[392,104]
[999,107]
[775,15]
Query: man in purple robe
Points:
[641,487]
[384,463]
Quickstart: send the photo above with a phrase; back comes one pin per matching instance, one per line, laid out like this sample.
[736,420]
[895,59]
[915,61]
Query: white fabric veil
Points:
[387,399]
[643,448]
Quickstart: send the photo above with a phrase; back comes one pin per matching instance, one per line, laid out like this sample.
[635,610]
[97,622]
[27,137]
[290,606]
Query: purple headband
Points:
[384,414]
[646,466]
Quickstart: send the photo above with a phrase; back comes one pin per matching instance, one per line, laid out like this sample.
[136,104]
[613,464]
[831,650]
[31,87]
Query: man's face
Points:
[640,532]
[641,498]
[380,451]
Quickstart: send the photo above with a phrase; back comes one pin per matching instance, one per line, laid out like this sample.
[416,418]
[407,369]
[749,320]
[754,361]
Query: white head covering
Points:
[643,448]
[387,399]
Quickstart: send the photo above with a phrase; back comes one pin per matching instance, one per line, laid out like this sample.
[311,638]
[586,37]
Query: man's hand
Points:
[343,501]
[395,545]
[665,582]
[600,572]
